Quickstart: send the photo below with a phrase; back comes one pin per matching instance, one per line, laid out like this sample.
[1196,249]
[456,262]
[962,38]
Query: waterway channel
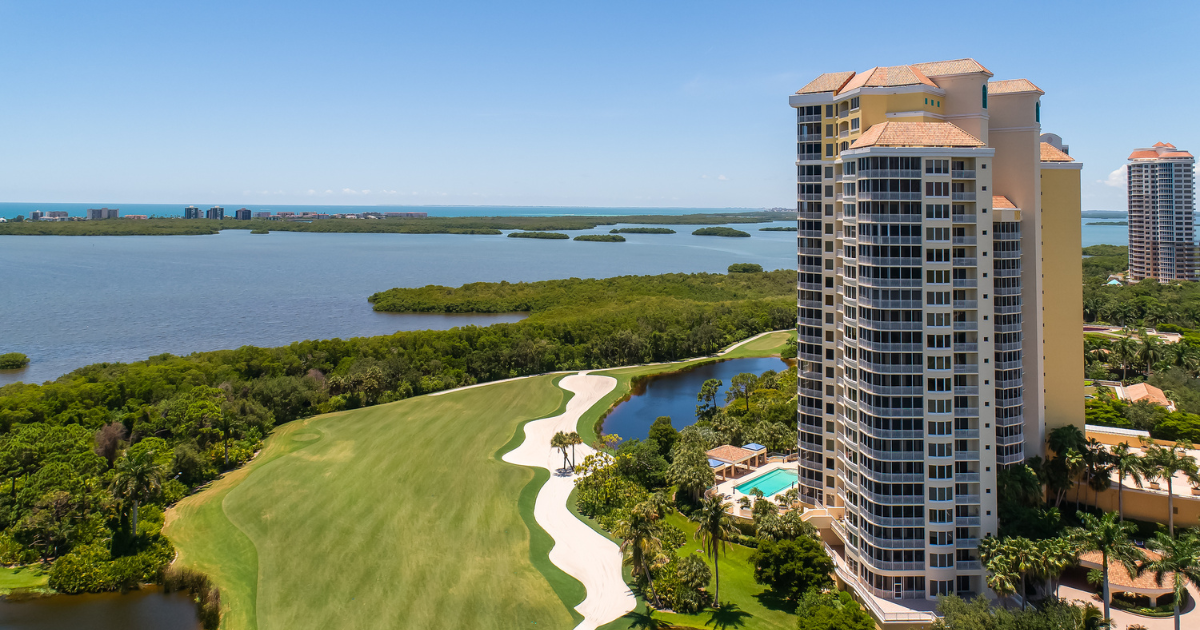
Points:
[145,609]
[674,394]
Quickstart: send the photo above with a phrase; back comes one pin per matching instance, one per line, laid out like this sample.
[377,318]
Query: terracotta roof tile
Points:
[1012,86]
[731,454]
[953,66]
[1120,577]
[1159,150]
[1050,153]
[916,134]
[889,76]
[1144,391]
[828,82]
[1000,202]
[1164,144]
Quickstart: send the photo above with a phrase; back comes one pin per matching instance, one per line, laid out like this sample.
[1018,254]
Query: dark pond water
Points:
[147,609]
[675,395]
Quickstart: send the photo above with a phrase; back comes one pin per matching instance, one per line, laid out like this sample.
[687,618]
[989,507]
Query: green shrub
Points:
[91,569]
[197,584]
[745,268]
[13,361]
[719,231]
[260,231]
[601,238]
[543,235]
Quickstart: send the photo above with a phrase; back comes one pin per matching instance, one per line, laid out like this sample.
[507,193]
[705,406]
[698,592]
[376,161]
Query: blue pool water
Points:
[775,481]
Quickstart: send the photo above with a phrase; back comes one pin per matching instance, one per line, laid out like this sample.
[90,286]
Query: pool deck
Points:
[728,488]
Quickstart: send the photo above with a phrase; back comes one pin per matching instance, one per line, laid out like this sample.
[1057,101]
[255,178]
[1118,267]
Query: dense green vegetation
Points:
[641,230]
[82,455]
[601,238]
[777,229]
[260,231]
[13,361]
[429,225]
[719,231]
[542,235]
[1102,261]
[745,268]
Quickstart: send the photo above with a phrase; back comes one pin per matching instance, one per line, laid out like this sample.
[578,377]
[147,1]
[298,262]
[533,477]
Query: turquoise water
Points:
[12,209]
[775,481]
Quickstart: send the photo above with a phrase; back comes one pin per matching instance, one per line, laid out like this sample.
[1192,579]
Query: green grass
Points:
[745,604]
[393,516]
[30,578]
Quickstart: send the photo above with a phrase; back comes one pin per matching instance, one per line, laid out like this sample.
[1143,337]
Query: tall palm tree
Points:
[1163,462]
[1124,352]
[1180,558]
[138,478]
[1127,463]
[1111,538]
[641,543]
[715,527]
[1025,557]
[560,442]
[573,438]
[1150,352]
[1058,555]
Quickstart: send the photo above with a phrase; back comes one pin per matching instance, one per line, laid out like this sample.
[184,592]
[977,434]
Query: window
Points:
[829,150]
[937,341]
[937,234]
[854,103]
[937,255]
[941,450]
[941,587]
[937,298]
[828,131]
[941,494]
[937,167]
[941,516]
[829,111]
[828,172]
[845,145]
[941,472]
[937,276]
[937,211]
[938,384]
[855,123]
[1037,111]
[829,191]
[985,96]
[941,538]
[935,320]
[939,363]
[939,406]
[937,189]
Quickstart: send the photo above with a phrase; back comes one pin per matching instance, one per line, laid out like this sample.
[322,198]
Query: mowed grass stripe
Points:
[396,516]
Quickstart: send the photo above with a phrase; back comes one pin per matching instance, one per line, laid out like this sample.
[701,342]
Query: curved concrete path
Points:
[584,554]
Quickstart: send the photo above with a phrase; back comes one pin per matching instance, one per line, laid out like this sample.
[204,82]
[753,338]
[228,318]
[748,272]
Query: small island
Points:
[260,231]
[13,361]
[642,230]
[546,235]
[719,231]
[1108,223]
[601,238]
[784,229]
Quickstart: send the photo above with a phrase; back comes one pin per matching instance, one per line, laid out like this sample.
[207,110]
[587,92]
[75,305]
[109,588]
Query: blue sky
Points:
[557,103]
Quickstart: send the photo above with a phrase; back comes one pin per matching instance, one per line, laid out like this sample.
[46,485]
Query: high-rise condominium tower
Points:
[1161,201]
[939,310]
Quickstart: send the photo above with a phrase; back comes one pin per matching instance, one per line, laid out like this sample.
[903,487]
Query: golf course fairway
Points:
[393,516]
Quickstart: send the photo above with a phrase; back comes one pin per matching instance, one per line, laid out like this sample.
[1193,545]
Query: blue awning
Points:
[716,463]
[754,446]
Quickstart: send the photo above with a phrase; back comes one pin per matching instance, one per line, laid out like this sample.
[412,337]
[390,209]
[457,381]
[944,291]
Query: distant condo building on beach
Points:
[1161,193]
[938,338]
[242,214]
[191,212]
[94,214]
[215,212]
[36,215]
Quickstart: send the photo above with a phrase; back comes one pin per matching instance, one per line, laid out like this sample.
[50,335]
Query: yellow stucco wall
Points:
[1063,297]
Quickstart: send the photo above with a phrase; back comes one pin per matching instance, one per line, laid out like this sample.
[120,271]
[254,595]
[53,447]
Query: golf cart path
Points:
[578,549]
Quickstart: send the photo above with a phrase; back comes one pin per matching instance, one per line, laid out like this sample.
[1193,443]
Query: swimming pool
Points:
[775,481]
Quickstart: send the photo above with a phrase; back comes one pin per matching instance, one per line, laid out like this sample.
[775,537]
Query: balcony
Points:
[889,196]
[966,456]
[808,137]
[969,565]
[965,262]
[966,477]
[964,304]
[966,347]
[887,172]
[966,434]
[965,283]
[809,196]
[966,390]
[964,240]
[963,218]
[966,543]
[808,157]
[962,196]
[808,119]
[965,368]
[962,174]
[968,521]
[966,325]
[966,498]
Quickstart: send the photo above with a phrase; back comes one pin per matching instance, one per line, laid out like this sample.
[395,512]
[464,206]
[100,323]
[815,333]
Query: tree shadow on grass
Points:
[646,620]
[772,601]
[727,615]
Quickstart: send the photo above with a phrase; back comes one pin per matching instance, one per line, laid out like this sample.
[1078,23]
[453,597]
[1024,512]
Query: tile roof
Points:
[1144,391]
[1120,577]
[916,134]
[953,66]
[1159,150]
[1012,86]
[731,454]
[1051,153]
[828,82]
[1001,202]
[1164,144]
[889,76]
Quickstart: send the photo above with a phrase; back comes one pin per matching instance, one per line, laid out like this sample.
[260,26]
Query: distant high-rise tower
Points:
[215,212]
[36,215]
[242,214]
[938,338]
[94,214]
[1161,200]
[191,212]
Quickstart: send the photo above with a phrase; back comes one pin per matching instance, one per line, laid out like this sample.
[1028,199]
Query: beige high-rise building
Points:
[1161,201]
[940,318]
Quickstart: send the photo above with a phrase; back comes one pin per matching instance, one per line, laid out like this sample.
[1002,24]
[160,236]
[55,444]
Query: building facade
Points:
[242,214]
[215,212]
[924,319]
[95,214]
[1161,201]
[191,212]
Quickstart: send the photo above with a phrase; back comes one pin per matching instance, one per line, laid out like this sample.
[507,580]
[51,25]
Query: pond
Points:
[145,609]
[674,395]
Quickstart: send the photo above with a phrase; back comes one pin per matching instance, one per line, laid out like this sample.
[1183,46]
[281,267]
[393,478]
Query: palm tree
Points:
[1127,464]
[1163,462]
[1180,558]
[560,442]
[1150,352]
[138,478]
[1058,555]
[641,544]
[1025,557]
[1124,351]
[573,438]
[715,527]
[1111,538]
